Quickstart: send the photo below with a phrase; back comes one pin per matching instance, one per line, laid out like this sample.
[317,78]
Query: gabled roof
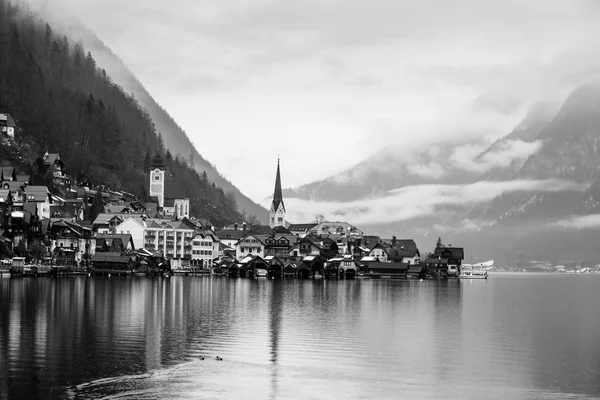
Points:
[38,194]
[111,239]
[281,230]
[389,266]
[23,178]
[231,234]
[8,119]
[51,158]
[103,218]
[457,253]
[110,257]
[261,229]
[7,171]
[301,227]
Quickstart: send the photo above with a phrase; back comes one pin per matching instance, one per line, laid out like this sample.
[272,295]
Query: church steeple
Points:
[277,212]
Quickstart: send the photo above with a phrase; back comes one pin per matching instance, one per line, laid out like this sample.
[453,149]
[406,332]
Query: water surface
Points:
[521,336]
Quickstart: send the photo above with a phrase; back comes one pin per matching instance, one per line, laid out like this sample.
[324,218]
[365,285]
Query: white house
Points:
[205,248]
[172,238]
[249,245]
[7,125]
[136,227]
[380,252]
[41,197]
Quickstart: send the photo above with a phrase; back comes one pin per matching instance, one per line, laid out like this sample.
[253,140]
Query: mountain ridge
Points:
[173,135]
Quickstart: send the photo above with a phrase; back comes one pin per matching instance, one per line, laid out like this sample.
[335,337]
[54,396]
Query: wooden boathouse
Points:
[112,263]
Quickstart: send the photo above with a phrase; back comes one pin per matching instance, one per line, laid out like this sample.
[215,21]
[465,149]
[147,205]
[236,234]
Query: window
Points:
[157,177]
[272,219]
[280,219]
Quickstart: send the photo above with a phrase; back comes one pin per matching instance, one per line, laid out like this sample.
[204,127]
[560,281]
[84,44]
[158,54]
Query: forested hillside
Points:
[63,102]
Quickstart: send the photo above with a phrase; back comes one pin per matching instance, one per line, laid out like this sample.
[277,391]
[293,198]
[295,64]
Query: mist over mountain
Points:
[532,195]
[174,137]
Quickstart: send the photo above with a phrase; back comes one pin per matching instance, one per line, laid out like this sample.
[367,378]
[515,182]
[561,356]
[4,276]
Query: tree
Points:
[97,207]
[439,243]
[319,219]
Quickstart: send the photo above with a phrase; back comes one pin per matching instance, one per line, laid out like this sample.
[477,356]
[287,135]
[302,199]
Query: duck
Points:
[218,358]
[201,358]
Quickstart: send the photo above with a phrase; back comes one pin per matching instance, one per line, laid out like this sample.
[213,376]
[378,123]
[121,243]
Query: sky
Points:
[327,83]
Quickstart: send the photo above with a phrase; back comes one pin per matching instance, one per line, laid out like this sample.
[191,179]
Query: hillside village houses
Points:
[127,234]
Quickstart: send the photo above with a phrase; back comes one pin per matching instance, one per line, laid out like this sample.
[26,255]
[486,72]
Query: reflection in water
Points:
[141,338]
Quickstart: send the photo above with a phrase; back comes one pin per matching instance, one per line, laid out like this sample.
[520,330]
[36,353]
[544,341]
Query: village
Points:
[43,233]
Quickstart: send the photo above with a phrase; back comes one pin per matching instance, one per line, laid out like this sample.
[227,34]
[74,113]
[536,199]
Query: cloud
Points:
[466,225]
[430,170]
[501,155]
[419,201]
[578,222]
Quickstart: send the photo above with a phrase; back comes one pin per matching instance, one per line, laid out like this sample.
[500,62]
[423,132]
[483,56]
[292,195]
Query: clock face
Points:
[157,171]
[280,211]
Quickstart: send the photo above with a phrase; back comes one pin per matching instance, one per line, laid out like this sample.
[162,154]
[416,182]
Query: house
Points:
[134,226]
[114,243]
[301,230]
[306,246]
[250,244]
[205,248]
[251,263]
[172,238]
[177,208]
[107,223]
[454,255]
[338,227]
[229,237]
[72,243]
[112,263]
[279,246]
[41,197]
[379,251]
[7,125]
[403,251]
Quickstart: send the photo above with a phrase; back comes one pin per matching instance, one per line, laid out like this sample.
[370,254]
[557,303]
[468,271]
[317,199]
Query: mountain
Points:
[545,183]
[63,103]
[174,137]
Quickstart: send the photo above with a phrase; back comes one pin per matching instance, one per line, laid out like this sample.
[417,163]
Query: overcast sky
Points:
[326,83]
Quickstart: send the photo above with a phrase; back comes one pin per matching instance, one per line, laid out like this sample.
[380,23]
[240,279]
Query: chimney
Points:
[393,241]
[235,226]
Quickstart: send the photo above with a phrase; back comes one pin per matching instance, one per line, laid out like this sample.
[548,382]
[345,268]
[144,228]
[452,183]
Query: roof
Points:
[389,266]
[4,193]
[124,238]
[261,229]
[436,261]
[9,120]
[456,253]
[36,193]
[7,171]
[50,159]
[232,234]
[402,248]
[158,162]
[415,269]
[103,218]
[277,193]
[282,230]
[23,178]
[301,227]
[110,257]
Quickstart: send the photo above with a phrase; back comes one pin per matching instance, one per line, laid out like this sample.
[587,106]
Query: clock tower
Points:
[277,212]
[157,179]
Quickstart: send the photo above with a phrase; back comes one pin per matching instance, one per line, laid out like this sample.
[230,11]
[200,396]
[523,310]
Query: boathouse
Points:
[112,263]
[388,270]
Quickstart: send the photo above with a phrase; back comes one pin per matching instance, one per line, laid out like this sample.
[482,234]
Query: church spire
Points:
[277,193]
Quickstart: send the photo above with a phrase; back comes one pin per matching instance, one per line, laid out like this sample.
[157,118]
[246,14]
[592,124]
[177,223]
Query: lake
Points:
[514,336]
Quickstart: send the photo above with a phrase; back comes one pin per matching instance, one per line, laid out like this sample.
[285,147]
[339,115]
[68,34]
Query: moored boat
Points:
[471,272]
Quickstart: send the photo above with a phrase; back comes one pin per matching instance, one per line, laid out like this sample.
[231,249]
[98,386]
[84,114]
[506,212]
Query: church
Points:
[170,198]
[277,215]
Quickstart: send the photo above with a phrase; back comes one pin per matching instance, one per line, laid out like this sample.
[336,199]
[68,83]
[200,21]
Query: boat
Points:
[472,272]
[261,273]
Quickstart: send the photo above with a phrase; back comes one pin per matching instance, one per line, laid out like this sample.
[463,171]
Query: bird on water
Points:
[219,358]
